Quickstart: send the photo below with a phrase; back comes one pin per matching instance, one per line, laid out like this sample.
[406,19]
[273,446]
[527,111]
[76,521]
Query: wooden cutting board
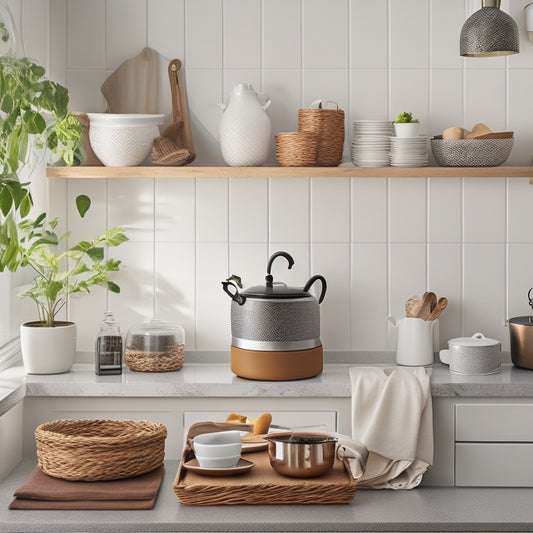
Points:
[134,86]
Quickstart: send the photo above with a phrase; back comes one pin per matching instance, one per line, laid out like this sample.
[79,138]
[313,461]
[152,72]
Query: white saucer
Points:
[242,466]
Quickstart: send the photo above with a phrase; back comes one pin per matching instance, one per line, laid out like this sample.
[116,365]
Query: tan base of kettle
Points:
[276,366]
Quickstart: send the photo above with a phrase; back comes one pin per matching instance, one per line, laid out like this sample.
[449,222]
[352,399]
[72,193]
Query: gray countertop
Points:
[420,509]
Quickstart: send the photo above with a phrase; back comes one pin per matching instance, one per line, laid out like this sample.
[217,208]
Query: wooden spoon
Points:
[429,301]
[409,305]
[439,308]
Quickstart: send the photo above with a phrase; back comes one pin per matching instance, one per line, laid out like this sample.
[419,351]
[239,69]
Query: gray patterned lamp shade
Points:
[489,32]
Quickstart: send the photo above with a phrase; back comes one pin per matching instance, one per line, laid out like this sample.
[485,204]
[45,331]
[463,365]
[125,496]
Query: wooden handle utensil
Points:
[439,308]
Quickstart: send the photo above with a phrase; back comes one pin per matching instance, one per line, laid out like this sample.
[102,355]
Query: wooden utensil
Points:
[429,301]
[175,147]
[409,305]
[439,308]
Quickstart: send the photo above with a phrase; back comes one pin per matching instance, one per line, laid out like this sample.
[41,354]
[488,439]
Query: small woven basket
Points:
[328,124]
[142,361]
[296,149]
[99,450]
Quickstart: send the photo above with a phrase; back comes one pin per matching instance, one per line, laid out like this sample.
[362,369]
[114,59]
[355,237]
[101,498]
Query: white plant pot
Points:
[406,129]
[48,350]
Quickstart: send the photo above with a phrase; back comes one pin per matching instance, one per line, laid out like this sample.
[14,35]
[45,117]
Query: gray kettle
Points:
[273,316]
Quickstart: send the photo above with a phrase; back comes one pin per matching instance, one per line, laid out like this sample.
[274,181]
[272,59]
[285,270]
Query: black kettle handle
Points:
[269,277]
[324,286]
[235,296]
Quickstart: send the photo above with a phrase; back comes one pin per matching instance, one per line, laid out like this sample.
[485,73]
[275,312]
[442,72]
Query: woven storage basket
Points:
[296,149]
[328,124]
[167,361]
[99,450]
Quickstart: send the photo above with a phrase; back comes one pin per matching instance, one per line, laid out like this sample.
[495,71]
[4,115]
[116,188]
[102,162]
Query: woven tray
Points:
[262,485]
[99,450]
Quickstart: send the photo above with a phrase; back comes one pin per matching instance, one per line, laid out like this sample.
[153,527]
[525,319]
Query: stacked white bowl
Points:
[371,143]
[218,450]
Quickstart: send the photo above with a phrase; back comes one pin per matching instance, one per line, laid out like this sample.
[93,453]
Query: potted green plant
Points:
[48,345]
[34,121]
[405,125]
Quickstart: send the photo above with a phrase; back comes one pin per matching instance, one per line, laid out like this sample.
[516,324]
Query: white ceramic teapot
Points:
[245,128]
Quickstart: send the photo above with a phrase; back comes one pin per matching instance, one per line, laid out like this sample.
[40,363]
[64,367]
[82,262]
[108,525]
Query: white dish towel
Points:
[392,416]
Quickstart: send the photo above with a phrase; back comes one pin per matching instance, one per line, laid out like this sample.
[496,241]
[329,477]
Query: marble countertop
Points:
[217,380]
[420,509]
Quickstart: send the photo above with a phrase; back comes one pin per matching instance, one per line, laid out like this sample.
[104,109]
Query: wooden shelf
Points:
[289,172]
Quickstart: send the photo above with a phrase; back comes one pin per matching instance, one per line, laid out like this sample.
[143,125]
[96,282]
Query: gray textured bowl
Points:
[471,152]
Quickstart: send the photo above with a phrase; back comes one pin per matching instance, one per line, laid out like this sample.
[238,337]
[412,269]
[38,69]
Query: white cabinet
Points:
[494,445]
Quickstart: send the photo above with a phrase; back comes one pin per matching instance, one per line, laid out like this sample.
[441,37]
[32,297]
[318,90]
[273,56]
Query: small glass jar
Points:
[108,347]
[155,346]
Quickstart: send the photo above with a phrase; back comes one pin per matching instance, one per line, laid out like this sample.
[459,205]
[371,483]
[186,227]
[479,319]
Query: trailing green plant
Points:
[405,118]
[35,243]
[34,115]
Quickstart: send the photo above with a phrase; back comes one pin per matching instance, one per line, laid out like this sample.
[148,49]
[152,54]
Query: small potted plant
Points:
[405,125]
[48,345]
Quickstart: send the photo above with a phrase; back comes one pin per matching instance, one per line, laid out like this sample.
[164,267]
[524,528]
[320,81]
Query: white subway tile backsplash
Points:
[369,39]
[447,19]
[329,84]
[330,210]
[409,34]
[84,90]
[86,23]
[332,260]
[520,259]
[330,21]
[248,210]
[482,105]
[164,17]
[520,111]
[445,101]
[57,63]
[175,279]
[407,210]
[241,33]
[249,262]
[203,33]
[483,305]
[369,210]
[484,210]
[125,35]
[284,88]
[212,210]
[131,205]
[175,211]
[519,201]
[369,297]
[409,91]
[289,210]
[34,31]
[444,209]
[369,96]
[282,39]
[301,270]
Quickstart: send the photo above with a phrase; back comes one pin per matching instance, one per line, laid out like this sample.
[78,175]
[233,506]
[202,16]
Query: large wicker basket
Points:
[296,149]
[99,450]
[328,124]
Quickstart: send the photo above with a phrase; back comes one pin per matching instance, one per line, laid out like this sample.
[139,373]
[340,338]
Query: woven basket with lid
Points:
[99,450]
[328,124]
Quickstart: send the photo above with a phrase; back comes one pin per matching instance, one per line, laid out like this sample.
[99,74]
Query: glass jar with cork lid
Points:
[155,346]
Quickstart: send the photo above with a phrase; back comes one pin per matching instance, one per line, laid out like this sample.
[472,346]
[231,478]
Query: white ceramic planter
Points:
[48,350]
[406,129]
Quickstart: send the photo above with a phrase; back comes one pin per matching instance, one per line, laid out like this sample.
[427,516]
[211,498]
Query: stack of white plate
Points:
[371,143]
[409,151]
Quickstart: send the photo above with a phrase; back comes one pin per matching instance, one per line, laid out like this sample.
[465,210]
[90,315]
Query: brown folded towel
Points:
[41,491]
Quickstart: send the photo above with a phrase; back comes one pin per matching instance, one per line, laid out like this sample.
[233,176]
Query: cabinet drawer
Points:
[327,419]
[499,422]
[493,465]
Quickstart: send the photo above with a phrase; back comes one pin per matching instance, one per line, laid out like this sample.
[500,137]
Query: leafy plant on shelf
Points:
[35,243]
[34,119]
[405,118]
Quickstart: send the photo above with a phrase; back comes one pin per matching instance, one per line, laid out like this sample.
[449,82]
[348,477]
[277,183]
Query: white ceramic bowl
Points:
[217,445]
[218,462]
[123,140]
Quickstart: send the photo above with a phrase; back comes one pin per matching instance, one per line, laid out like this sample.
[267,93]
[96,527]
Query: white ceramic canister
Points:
[417,341]
[476,355]
[245,128]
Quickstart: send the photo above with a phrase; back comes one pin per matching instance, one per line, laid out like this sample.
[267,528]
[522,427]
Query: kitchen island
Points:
[204,389]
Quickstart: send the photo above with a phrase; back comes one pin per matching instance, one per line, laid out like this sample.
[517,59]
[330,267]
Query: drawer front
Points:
[493,465]
[499,422]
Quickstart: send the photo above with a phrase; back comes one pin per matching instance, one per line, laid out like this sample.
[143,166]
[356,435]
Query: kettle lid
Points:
[275,290]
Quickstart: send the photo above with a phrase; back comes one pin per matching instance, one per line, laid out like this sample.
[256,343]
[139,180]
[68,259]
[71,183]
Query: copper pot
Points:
[521,331]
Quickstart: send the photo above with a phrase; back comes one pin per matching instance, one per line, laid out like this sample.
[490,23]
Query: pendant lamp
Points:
[489,32]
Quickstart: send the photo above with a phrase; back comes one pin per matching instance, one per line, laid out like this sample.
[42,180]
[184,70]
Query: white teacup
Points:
[476,355]
[218,450]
